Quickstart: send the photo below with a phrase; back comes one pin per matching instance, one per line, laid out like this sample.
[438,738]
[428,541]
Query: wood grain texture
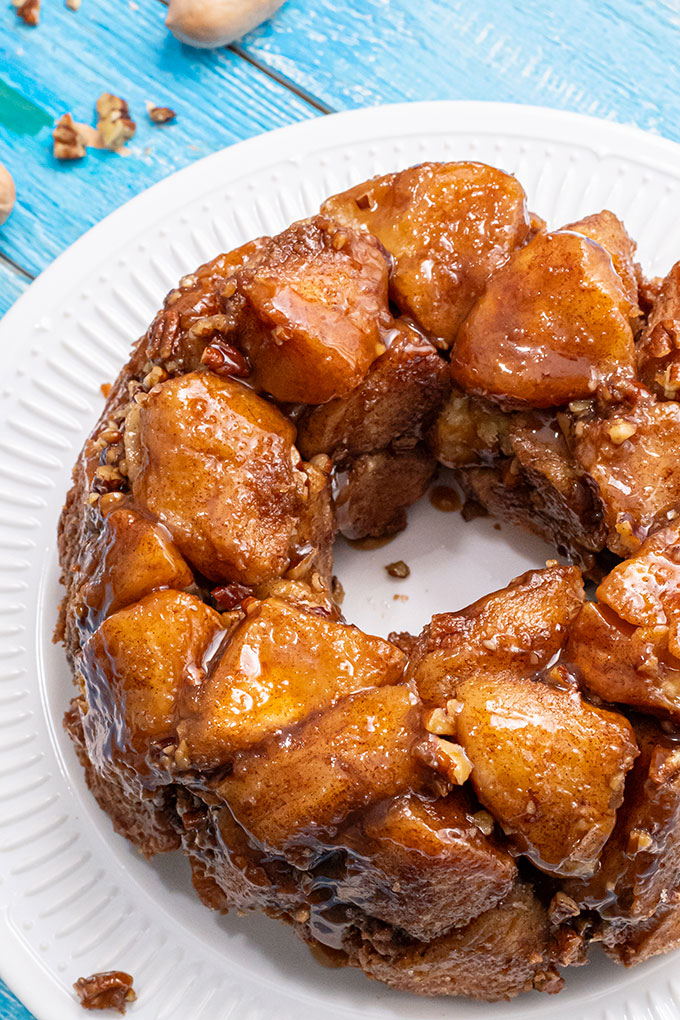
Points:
[121,47]
[12,284]
[10,1007]
[609,58]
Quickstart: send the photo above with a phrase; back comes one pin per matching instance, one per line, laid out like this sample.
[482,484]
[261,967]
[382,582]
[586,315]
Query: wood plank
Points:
[123,47]
[10,1007]
[613,59]
[12,284]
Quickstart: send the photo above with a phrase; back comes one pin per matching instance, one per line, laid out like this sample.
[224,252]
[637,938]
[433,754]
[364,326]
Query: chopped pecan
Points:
[398,569]
[161,114]
[68,144]
[111,989]
[223,359]
[107,479]
[28,11]
[230,596]
[163,334]
[113,124]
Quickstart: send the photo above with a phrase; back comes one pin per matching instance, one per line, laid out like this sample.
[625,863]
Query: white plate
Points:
[74,898]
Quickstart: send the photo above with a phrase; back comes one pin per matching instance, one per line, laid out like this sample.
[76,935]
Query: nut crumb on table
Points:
[28,11]
[114,124]
[68,143]
[110,989]
[398,569]
[160,114]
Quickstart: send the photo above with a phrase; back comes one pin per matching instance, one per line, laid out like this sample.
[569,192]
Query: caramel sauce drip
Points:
[445,498]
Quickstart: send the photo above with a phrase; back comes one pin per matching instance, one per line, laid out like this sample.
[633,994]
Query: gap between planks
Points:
[276,76]
[16,268]
[301,93]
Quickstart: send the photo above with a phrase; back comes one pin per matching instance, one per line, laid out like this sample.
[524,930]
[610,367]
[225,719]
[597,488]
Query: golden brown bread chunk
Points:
[424,866]
[133,555]
[279,666]
[645,589]
[503,952]
[658,352]
[511,633]
[305,782]
[518,466]
[608,231]
[552,326]
[628,645]
[217,464]
[470,430]
[134,667]
[625,664]
[448,226]
[631,454]
[192,314]
[564,504]
[639,869]
[375,490]
[401,393]
[548,766]
[309,311]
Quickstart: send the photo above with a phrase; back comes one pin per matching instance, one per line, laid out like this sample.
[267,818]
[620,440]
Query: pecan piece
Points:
[163,334]
[230,596]
[68,144]
[28,11]
[398,569]
[114,124]
[110,989]
[161,114]
[223,359]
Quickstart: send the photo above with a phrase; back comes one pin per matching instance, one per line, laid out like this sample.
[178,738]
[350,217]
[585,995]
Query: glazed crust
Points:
[457,813]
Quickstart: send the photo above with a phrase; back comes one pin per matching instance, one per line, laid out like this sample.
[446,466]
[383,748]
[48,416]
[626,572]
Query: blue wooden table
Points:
[609,58]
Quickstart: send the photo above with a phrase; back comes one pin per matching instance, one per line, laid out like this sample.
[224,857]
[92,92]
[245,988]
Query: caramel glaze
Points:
[395,802]
[445,498]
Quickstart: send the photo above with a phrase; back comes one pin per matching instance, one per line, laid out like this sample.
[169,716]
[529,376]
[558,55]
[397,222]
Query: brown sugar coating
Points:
[295,786]
[135,665]
[134,556]
[464,811]
[511,634]
[627,645]
[279,665]
[217,464]
[425,866]
[630,454]
[309,309]
[398,398]
[607,230]
[447,226]
[642,858]
[558,808]
[552,326]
